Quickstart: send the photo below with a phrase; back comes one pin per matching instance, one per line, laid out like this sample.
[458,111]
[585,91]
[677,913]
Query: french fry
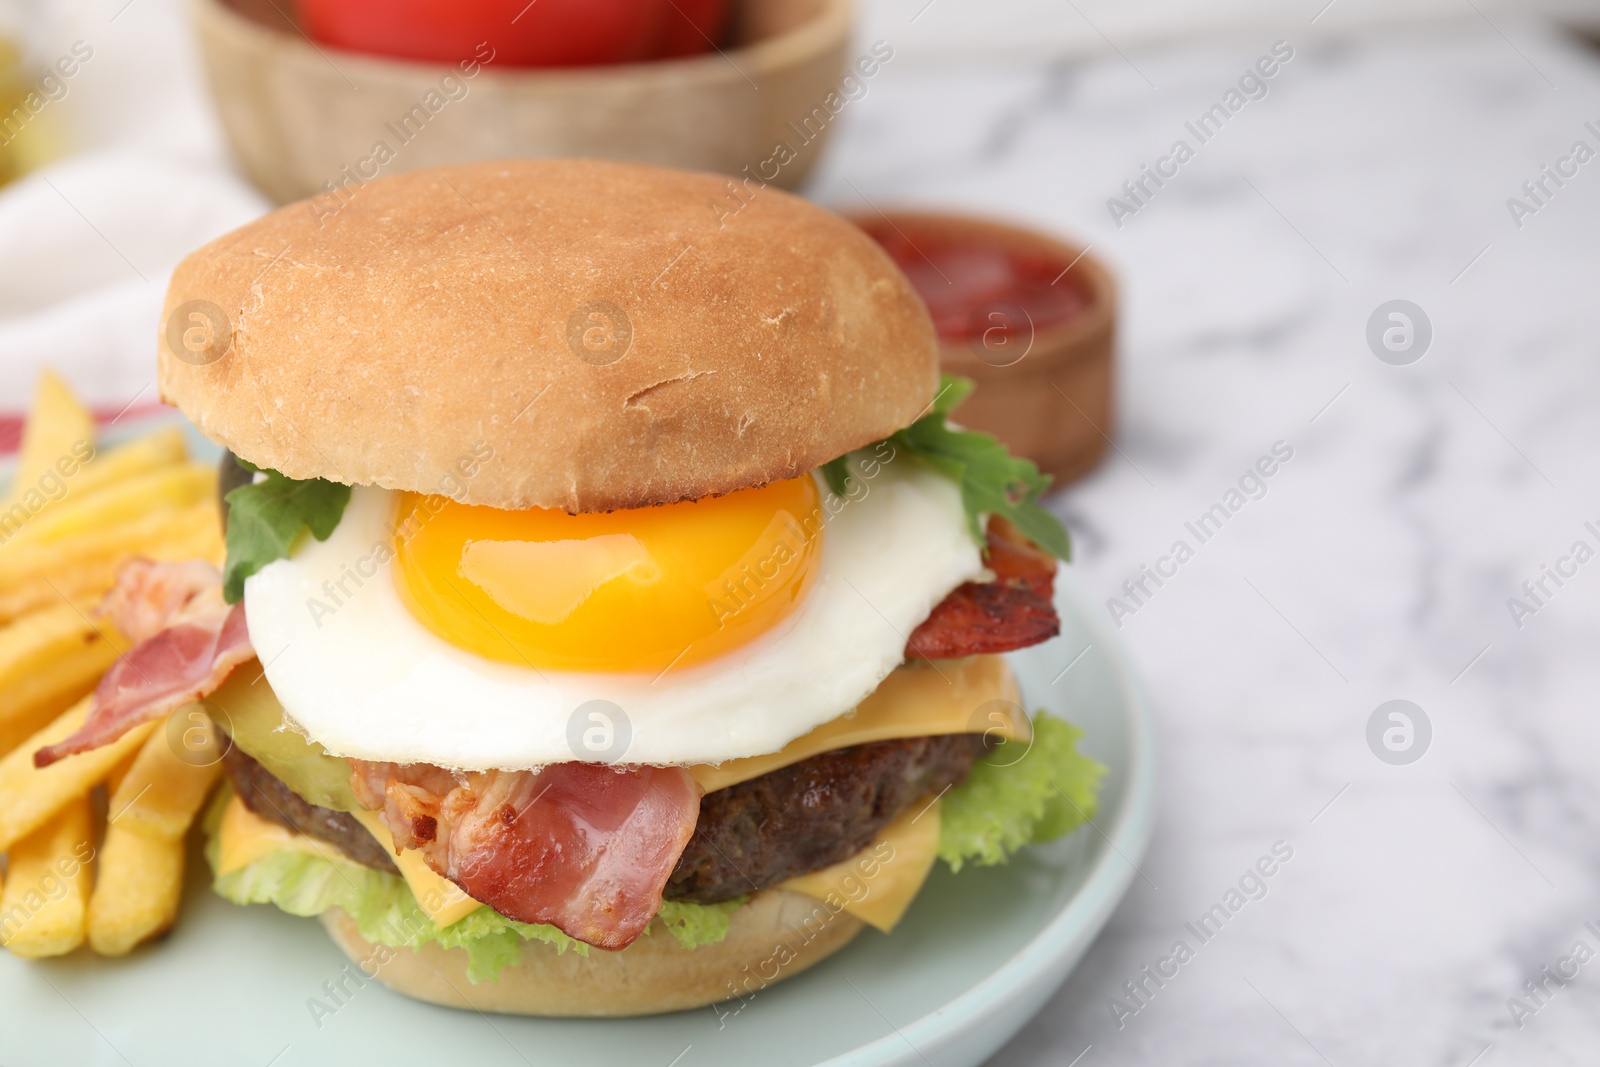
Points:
[136,890]
[153,451]
[48,660]
[82,587]
[58,428]
[74,479]
[171,777]
[29,723]
[83,567]
[115,776]
[175,486]
[43,908]
[30,795]
[140,534]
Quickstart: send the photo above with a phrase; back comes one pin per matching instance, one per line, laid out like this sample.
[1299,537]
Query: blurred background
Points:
[1402,152]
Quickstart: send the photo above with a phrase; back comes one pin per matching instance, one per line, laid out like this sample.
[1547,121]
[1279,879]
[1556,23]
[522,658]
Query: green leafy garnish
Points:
[693,924]
[305,884]
[1008,802]
[265,517]
[992,480]
[836,472]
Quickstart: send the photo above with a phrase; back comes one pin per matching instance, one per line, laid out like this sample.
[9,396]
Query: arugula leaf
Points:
[992,480]
[836,472]
[265,517]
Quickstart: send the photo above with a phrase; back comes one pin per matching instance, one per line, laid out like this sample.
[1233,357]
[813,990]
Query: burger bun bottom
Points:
[775,935]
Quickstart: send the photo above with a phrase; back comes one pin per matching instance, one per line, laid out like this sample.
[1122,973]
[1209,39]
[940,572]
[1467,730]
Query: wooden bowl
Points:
[297,115]
[1046,392]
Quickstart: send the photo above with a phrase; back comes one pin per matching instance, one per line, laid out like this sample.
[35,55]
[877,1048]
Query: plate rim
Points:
[1088,909]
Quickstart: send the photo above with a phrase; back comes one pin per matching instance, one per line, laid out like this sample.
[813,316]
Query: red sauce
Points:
[968,287]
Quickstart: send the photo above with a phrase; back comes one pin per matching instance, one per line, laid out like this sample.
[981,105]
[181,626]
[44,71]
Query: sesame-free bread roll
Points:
[553,333]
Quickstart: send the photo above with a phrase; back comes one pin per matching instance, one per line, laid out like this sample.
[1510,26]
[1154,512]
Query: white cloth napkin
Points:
[88,243]
[86,248]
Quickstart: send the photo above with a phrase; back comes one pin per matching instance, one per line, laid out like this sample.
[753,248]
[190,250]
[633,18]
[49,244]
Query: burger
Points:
[613,618]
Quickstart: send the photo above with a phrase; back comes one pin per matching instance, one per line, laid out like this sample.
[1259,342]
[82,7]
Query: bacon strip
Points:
[188,640]
[584,847]
[151,596]
[984,618]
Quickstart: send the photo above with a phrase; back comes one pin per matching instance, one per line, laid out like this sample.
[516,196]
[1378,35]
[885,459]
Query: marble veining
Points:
[1378,565]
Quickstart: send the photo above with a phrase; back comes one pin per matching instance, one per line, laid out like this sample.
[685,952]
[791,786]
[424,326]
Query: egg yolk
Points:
[640,590]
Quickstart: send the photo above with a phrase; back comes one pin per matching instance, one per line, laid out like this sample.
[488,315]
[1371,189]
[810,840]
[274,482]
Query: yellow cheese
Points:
[974,695]
[245,837]
[441,898]
[877,884]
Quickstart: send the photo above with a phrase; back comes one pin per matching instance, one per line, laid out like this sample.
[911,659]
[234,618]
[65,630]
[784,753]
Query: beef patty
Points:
[811,814]
[270,798]
[749,836]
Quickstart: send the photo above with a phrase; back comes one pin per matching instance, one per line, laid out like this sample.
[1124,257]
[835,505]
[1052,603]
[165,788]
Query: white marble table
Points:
[1377,566]
[1380,560]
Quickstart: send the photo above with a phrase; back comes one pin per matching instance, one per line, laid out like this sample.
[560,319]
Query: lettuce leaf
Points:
[383,906]
[992,480]
[697,924]
[1007,802]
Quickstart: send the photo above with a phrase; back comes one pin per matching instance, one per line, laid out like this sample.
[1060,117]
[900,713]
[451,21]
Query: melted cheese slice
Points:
[877,884]
[974,695]
[443,900]
[245,837]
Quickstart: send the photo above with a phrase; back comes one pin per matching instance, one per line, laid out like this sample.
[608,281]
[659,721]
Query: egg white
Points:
[365,679]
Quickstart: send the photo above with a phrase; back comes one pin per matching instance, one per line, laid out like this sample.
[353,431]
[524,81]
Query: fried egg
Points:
[423,630]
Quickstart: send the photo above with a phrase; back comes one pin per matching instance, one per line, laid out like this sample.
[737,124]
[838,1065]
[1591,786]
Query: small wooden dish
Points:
[297,115]
[1050,399]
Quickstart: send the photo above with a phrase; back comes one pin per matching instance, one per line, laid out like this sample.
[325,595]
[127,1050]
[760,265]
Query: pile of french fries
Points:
[94,844]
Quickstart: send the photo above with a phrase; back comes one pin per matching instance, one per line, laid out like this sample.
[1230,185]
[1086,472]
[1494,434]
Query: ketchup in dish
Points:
[964,281]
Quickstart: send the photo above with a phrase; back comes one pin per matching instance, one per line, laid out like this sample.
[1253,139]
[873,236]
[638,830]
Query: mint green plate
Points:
[977,955]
